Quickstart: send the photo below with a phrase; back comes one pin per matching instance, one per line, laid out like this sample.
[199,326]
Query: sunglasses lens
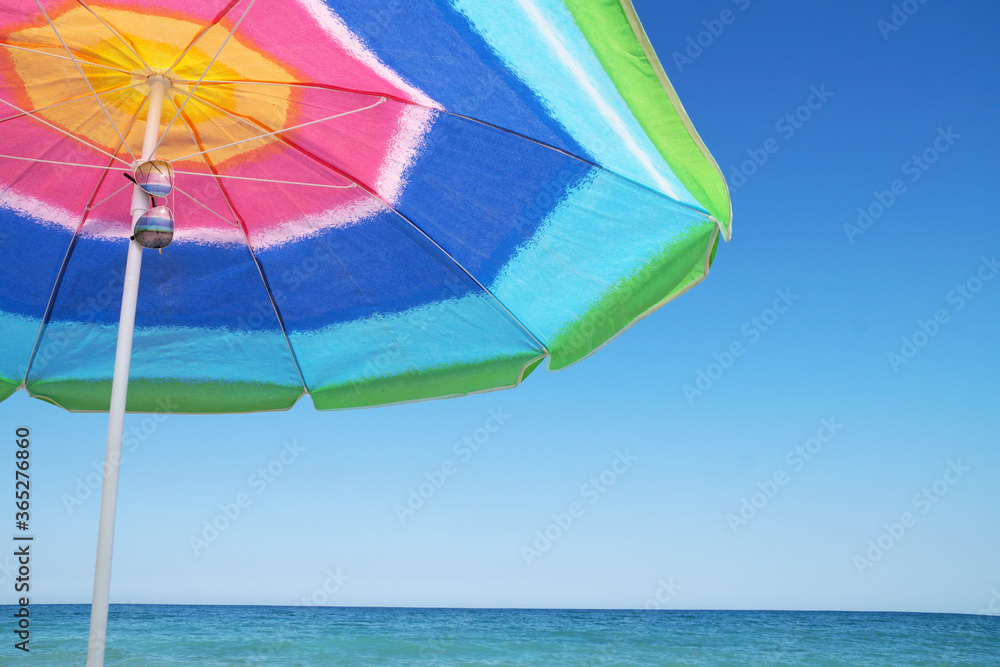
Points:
[156,178]
[155,229]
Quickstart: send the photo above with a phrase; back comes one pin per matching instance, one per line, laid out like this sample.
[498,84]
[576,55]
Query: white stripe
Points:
[616,122]
[335,27]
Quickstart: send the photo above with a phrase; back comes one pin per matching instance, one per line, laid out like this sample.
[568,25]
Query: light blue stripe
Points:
[17,337]
[587,245]
[72,351]
[455,331]
[529,54]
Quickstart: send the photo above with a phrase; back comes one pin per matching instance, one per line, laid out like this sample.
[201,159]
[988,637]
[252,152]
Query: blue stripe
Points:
[435,48]
[480,193]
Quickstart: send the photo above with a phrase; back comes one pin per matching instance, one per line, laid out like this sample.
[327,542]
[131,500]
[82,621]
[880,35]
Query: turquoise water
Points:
[155,636]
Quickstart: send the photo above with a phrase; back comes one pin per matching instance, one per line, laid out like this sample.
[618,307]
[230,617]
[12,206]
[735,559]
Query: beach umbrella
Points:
[213,206]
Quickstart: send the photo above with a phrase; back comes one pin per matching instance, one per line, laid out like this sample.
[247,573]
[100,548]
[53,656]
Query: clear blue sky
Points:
[664,525]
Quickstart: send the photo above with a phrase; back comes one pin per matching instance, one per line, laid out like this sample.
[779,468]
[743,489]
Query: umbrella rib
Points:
[70,101]
[468,273]
[221,15]
[246,238]
[256,127]
[209,208]
[277,132]
[470,119]
[360,289]
[86,80]
[309,222]
[113,194]
[330,250]
[186,173]
[392,208]
[69,251]
[203,74]
[65,164]
[371,304]
[264,180]
[117,34]
[317,86]
[53,55]
[593,165]
[197,142]
[68,134]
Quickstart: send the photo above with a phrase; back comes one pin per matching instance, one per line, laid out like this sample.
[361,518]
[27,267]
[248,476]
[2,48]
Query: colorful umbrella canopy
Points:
[376,201]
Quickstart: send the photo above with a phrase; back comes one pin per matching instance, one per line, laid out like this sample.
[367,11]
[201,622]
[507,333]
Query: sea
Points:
[155,636]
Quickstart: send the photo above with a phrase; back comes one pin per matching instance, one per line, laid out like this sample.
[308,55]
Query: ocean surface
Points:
[154,636]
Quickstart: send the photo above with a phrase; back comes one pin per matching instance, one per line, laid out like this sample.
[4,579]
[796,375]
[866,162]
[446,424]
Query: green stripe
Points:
[174,396]
[441,382]
[7,388]
[169,396]
[715,250]
[623,49]
[662,279]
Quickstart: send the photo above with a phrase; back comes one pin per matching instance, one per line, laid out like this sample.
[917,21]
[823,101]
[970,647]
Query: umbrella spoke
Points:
[111,196]
[208,208]
[194,137]
[323,163]
[221,15]
[246,236]
[65,164]
[80,69]
[84,61]
[470,119]
[207,69]
[278,132]
[197,141]
[264,180]
[70,101]
[260,269]
[117,34]
[68,134]
[260,126]
[69,250]
[372,193]
[347,273]
[257,127]
[316,86]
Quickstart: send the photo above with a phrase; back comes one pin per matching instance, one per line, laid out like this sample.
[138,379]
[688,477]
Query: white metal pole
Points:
[119,391]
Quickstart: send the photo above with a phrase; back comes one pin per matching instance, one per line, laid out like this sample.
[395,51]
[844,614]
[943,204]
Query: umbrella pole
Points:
[119,392]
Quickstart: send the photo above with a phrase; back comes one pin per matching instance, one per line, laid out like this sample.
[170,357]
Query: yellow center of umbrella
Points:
[119,55]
